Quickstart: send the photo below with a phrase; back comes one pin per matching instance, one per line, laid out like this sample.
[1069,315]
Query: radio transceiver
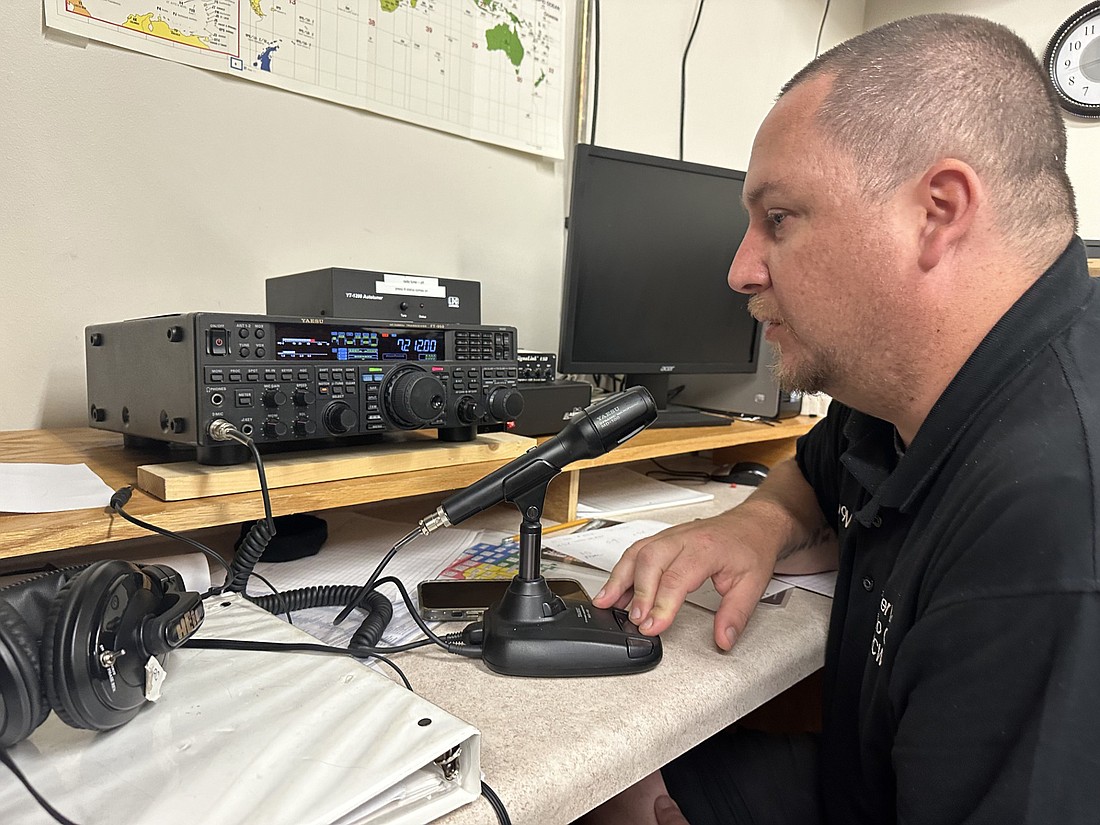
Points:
[286,380]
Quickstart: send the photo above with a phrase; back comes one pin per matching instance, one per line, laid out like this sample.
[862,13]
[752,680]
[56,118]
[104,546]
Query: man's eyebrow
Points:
[757,192]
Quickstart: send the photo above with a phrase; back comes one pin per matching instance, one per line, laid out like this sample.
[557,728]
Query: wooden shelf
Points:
[24,534]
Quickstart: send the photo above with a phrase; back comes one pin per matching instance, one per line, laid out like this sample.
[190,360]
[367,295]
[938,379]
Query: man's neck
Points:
[937,349]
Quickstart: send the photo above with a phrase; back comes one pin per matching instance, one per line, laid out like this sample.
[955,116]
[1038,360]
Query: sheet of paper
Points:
[604,547]
[616,491]
[356,544]
[823,583]
[50,488]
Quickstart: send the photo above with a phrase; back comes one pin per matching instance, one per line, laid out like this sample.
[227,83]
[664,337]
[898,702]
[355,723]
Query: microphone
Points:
[595,430]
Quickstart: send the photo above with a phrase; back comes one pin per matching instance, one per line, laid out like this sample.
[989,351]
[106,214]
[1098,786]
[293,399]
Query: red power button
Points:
[217,342]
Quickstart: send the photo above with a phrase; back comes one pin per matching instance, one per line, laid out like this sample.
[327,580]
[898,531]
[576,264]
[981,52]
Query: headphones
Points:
[87,642]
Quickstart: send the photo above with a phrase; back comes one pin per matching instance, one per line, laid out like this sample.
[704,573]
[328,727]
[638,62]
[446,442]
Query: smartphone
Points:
[453,600]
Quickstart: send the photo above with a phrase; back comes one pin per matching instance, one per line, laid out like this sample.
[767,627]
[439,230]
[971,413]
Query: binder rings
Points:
[245,737]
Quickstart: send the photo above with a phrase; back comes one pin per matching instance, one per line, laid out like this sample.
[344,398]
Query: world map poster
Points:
[489,70]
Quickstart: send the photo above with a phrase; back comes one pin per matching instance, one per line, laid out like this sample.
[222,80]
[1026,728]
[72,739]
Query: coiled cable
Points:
[379,609]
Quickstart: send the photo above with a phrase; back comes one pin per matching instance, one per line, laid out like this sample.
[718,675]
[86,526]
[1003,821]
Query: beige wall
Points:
[1035,22]
[133,186]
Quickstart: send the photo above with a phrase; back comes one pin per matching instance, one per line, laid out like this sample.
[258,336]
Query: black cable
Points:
[118,504]
[5,757]
[817,48]
[122,497]
[680,475]
[379,609]
[450,647]
[498,806]
[252,546]
[683,73]
[368,586]
[291,647]
[241,438]
[595,66]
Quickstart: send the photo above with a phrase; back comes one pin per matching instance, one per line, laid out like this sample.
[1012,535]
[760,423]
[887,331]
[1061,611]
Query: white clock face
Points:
[1077,62]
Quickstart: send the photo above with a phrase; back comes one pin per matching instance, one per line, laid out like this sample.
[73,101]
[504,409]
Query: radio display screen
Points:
[318,342]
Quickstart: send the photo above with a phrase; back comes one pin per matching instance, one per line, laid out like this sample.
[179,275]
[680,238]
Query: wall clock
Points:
[1072,62]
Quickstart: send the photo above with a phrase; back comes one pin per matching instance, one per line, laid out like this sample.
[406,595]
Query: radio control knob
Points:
[274,398]
[303,427]
[468,409]
[274,429]
[339,417]
[415,398]
[505,403]
[303,398]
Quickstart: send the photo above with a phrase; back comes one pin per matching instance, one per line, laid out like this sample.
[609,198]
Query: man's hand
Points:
[667,812]
[656,574]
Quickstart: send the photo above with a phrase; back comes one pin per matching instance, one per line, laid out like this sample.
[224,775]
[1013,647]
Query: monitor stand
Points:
[673,415]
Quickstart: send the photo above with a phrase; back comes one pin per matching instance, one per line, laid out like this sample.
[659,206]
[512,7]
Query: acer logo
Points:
[669,368]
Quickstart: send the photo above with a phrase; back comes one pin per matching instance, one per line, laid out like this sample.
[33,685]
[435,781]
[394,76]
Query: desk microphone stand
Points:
[532,631]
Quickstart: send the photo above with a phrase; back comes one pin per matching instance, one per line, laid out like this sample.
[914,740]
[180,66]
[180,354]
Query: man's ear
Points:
[950,193]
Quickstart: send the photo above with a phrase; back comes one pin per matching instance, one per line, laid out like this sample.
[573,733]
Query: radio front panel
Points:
[283,380]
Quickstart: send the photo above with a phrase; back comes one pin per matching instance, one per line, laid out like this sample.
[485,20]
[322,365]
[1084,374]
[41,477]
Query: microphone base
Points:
[533,632]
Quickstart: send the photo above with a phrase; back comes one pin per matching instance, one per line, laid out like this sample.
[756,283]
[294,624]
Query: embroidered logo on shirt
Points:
[845,515]
[882,627]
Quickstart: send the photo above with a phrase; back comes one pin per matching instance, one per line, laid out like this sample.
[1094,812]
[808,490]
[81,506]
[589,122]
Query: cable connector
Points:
[473,635]
[221,430]
[438,519]
[121,497]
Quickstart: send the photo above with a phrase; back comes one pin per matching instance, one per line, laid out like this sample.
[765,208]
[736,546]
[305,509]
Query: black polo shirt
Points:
[962,671]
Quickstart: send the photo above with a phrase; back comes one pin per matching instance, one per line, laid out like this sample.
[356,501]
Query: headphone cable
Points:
[5,758]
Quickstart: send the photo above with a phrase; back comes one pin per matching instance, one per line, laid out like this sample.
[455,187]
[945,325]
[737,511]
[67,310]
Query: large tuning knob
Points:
[414,398]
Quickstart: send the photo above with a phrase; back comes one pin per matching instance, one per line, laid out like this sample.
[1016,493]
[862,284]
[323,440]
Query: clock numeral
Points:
[1075,46]
[1071,80]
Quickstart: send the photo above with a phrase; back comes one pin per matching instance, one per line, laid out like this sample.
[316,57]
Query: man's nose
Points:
[748,273]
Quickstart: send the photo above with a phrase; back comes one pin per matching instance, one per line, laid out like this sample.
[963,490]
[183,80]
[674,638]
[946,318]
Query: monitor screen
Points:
[649,245]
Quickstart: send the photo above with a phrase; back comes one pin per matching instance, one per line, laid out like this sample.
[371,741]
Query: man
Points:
[911,252]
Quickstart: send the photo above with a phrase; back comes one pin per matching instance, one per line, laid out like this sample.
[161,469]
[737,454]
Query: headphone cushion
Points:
[24,703]
[52,667]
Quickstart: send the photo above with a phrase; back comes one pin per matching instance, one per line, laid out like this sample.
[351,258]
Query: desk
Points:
[552,749]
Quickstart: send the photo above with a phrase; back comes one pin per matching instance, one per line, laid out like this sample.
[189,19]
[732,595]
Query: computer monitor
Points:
[648,246]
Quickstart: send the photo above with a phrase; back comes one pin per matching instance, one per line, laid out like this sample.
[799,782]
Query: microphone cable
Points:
[378,608]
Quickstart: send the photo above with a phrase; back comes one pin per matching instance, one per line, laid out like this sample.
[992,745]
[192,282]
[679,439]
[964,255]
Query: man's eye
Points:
[776,218]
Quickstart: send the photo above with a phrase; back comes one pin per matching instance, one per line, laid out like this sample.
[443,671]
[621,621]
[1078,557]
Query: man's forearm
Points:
[783,513]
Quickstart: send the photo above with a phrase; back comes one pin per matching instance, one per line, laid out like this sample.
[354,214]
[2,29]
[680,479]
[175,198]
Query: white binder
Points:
[245,737]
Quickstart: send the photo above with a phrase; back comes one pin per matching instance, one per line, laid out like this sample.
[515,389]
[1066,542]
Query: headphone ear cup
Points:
[90,618]
[23,706]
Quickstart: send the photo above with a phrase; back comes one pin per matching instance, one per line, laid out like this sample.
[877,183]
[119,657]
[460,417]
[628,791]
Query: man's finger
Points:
[737,606]
[673,587]
[668,812]
[618,584]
